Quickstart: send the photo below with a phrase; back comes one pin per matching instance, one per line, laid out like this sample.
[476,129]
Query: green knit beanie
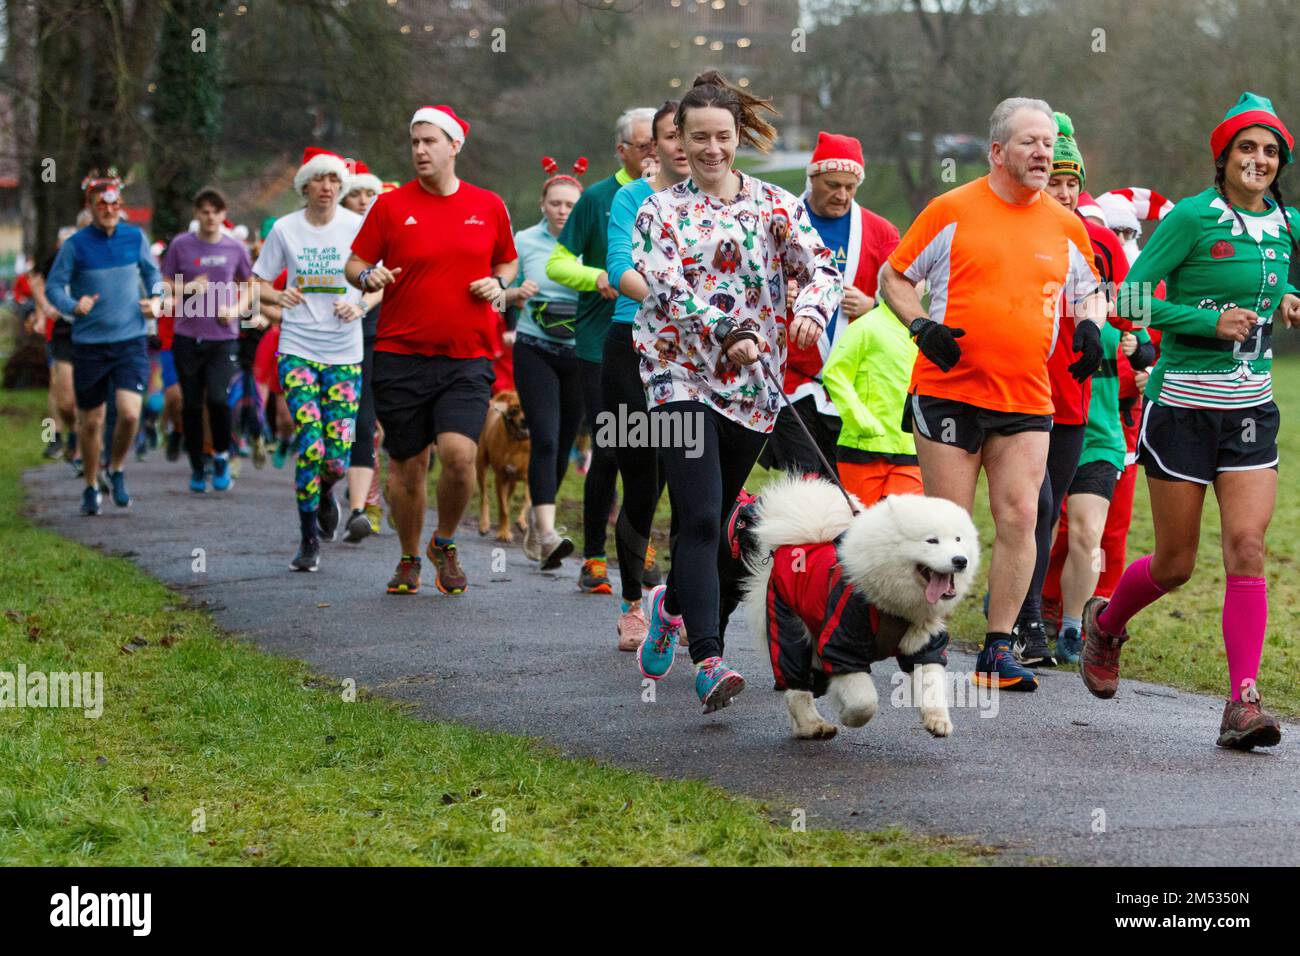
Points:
[1066,157]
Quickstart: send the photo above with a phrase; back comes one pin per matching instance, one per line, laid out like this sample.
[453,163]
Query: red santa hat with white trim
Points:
[363,178]
[837,154]
[445,118]
[319,162]
[1148,205]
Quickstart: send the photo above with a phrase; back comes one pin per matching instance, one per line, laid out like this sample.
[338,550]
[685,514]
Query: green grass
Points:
[1179,640]
[284,771]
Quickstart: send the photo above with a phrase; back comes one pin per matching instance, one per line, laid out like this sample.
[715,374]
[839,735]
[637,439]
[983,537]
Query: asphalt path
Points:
[1054,775]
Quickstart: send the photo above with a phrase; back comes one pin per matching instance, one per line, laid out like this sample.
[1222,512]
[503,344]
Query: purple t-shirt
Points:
[226,263]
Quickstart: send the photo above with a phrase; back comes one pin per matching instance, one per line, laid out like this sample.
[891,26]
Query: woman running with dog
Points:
[1210,416]
[716,251]
[547,375]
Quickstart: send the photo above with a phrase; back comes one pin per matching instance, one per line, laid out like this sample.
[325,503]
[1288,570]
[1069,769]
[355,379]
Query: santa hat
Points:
[363,178]
[445,118]
[1148,205]
[837,154]
[1120,213]
[1088,207]
[319,162]
[1251,110]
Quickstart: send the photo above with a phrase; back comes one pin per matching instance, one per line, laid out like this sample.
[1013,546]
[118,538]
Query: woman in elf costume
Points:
[1210,417]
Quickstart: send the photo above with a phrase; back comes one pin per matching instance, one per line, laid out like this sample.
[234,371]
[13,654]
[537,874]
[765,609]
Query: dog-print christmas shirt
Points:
[706,259]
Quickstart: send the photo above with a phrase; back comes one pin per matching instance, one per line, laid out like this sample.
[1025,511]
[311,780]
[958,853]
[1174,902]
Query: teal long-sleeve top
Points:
[622,228]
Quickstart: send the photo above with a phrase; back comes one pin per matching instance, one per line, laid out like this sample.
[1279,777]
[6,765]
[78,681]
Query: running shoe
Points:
[997,667]
[328,514]
[78,467]
[1069,646]
[1246,724]
[716,684]
[235,465]
[655,654]
[220,474]
[90,502]
[151,433]
[259,452]
[308,556]
[241,447]
[651,576]
[141,446]
[54,449]
[552,550]
[121,497]
[281,453]
[105,485]
[1033,645]
[450,578]
[173,452]
[1099,664]
[632,629]
[198,482]
[373,514]
[594,577]
[406,579]
[358,526]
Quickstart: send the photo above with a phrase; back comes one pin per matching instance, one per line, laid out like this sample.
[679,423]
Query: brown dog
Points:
[503,447]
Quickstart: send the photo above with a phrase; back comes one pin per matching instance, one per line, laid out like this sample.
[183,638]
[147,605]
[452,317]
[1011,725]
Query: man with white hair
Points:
[444,252]
[584,238]
[996,255]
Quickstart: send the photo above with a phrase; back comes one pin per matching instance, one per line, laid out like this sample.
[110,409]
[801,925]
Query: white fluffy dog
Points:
[910,557]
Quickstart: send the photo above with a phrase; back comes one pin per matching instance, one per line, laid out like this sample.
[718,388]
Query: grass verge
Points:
[210,752]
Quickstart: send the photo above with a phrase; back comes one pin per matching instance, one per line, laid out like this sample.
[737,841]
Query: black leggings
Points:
[205,369]
[643,478]
[602,477]
[704,476]
[551,396]
[1063,450]
[363,445]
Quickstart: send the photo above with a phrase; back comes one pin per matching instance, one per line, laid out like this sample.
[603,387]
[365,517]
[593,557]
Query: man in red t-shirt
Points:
[444,253]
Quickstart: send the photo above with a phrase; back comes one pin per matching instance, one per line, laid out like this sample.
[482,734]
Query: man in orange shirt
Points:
[997,255]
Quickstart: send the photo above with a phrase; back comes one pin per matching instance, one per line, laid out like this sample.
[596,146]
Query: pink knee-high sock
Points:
[1245,618]
[1135,591]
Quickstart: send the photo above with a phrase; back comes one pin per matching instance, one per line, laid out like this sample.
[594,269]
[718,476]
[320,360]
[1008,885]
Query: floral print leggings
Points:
[323,401]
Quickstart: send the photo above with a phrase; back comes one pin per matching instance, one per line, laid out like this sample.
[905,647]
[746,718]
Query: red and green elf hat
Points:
[1251,110]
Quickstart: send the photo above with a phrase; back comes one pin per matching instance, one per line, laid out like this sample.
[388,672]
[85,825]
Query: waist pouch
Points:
[556,319]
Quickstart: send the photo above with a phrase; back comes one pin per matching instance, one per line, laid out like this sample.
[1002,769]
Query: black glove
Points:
[1126,410]
[1087,342]
[937,342]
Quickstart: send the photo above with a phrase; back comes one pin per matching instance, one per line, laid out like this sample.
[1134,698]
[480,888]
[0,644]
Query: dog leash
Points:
[772,380]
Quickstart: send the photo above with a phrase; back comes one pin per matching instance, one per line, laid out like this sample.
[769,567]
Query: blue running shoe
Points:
[716,684]
[121,497]
[90,502]
[220,473]
[198,482]
[997,667]
[655,655]
[1069,646]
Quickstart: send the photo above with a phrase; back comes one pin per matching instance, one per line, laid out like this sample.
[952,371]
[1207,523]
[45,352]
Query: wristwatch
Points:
[915,327]
[722,329]
[501,282]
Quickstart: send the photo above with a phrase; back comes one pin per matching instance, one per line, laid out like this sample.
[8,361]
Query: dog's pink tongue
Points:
[937,586]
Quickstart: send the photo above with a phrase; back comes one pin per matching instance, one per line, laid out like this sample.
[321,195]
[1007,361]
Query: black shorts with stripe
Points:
[1199,444]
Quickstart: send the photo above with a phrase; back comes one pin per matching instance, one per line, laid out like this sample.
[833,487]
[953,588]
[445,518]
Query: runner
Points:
[1070,399]
[97,279]
[320,348]
[996,254]
[207,274]
[866,375]
[585,237]
[1210,416]
[361,189]
[621,388]
[58,344]
[448,253]
[710,317]
[546,371]
[861,242]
